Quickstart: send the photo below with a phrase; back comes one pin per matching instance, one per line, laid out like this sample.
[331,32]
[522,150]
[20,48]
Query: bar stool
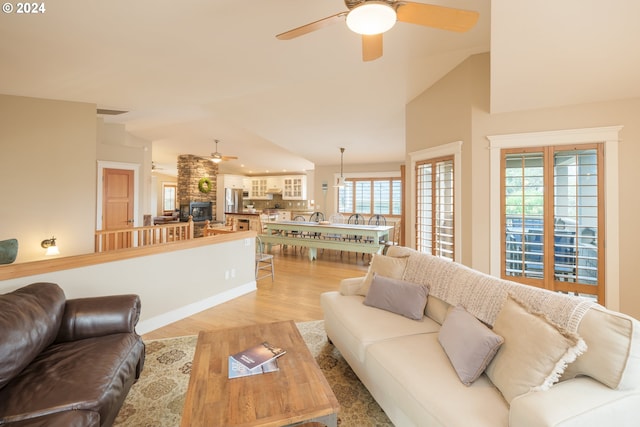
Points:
[263,262]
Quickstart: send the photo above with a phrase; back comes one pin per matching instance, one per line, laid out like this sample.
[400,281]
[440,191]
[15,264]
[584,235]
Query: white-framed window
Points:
[169,197]
[370,196]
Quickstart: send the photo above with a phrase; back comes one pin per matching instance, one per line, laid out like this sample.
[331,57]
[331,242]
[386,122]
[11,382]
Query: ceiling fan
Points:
[371,18]
[217,157]
[155,168]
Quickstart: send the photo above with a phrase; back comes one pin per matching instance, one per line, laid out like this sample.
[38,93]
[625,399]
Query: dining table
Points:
[359,238]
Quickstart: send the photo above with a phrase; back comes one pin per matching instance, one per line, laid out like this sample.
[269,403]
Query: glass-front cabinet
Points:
[258,189]
[295,188]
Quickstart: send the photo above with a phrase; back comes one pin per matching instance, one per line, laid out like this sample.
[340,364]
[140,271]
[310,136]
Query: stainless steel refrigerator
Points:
[233,200]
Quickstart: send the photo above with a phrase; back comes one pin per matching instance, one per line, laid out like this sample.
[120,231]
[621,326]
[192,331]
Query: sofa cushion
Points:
[534,354]
[387,266]
[29,321]
[414,382]
[397,296]
[355,326]
[437,309]
[613,355]
[469,344]
[93,374]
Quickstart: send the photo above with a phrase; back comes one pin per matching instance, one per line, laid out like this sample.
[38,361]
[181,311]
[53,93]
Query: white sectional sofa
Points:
[404,364]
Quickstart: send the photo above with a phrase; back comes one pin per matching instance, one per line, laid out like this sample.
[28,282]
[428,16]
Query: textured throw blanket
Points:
[483,295]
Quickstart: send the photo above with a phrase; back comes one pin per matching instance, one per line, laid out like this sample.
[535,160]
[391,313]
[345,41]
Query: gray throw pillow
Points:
[400,297]
[469,344]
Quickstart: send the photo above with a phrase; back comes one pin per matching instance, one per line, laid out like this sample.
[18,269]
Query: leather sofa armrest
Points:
[579,402]
[99,316]
[75,418]
[351,285]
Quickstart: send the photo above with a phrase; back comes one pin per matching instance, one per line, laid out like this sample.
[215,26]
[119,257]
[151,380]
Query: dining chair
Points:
[394,239]
[295,233]
[335,218]
[264,261]
[355,219]
[377,220]
[316,217]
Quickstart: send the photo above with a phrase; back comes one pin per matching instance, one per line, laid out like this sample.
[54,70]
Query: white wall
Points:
[171,285]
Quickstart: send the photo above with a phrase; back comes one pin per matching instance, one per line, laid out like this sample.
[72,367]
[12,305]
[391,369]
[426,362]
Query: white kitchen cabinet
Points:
[258,190]
[284,215]
[230,181]
[274,182]
[294,187]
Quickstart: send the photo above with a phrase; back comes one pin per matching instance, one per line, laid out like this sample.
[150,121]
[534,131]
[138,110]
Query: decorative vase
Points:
[8,251]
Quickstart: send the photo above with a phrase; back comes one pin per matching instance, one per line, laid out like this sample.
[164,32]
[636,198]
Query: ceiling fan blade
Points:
[429,15]
[371,47]
[229,158]
[305,29]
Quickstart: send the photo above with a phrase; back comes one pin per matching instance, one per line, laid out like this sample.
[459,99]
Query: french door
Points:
[552,218]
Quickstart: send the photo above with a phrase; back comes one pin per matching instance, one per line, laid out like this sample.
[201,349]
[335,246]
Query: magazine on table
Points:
[237,369]
[258,355]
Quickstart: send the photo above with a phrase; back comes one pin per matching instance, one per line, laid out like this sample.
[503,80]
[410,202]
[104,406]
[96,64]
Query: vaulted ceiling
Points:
[193,71]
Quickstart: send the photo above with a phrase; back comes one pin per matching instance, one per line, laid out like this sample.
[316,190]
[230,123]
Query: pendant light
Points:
[340,183]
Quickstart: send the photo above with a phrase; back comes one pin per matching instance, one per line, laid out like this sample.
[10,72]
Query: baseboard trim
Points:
[164,319]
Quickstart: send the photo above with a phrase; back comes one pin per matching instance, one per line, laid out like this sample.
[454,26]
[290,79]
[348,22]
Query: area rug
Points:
[157,399]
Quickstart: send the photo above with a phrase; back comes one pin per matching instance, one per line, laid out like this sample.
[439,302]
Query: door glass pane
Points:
[424,202]
[444,209]
[434,213]
[576,216]
[524,209]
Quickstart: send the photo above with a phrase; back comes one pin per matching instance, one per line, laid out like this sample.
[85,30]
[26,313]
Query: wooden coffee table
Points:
[297,392]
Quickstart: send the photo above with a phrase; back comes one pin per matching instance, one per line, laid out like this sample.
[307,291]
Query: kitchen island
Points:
[241,221]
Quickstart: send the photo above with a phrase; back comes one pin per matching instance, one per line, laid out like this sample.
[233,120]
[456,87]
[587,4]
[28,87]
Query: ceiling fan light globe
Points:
[372,17]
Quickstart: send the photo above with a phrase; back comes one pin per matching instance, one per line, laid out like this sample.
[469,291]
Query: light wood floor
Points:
[294,295]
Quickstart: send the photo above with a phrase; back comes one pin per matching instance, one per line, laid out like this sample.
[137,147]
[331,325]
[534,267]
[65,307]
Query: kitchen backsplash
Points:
[277,203]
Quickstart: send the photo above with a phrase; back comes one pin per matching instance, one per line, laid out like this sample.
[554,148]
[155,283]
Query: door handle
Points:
[129,221]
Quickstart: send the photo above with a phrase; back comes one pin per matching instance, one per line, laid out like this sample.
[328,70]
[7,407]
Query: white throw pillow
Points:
[534,354]
[386,266]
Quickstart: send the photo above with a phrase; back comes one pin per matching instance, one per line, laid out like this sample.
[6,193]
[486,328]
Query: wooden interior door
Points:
[117,205]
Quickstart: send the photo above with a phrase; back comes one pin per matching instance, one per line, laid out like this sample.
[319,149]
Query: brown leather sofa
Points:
[66,362]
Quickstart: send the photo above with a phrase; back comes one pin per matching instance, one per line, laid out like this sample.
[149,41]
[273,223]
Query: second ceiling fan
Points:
[217,157]
[371,18]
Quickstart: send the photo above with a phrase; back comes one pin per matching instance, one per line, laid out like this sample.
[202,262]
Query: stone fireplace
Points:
[191,170]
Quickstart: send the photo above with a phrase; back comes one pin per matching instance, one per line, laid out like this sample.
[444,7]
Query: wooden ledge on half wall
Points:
[31,268]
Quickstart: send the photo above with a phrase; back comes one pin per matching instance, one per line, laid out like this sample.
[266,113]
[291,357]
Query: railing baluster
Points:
[108,240]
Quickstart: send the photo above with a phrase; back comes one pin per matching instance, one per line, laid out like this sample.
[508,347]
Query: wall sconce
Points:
[50,246]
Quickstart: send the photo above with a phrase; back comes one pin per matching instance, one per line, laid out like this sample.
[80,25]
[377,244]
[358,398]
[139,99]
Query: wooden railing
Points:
[138,237]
